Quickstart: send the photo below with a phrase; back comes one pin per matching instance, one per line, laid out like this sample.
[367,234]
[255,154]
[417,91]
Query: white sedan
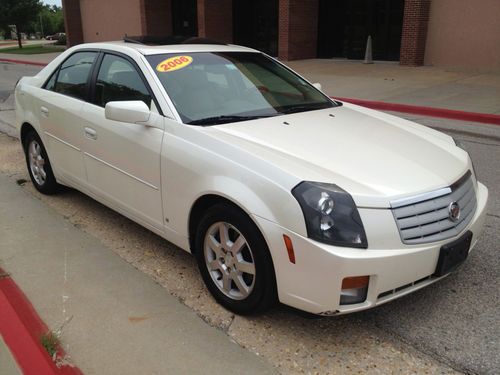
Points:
[280,192]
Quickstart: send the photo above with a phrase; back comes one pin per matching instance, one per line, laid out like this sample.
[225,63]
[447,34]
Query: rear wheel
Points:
[234,261]
[38,164]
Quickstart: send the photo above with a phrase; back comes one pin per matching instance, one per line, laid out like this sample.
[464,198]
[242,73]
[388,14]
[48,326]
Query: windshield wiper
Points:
[225,119]
[305,107]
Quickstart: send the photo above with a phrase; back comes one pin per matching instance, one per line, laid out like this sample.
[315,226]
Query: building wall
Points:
[110,19]
[464,33]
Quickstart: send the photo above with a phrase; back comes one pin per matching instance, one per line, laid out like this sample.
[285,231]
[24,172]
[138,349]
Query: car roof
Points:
[171,48]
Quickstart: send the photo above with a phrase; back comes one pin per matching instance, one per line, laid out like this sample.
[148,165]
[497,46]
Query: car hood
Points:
[374,156]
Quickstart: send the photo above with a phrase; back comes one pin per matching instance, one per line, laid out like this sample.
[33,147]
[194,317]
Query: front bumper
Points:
[313,283]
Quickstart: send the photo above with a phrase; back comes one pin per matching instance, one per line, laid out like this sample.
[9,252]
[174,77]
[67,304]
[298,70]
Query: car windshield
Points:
[210,88]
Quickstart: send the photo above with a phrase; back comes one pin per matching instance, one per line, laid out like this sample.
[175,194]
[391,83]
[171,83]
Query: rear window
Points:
[73,75]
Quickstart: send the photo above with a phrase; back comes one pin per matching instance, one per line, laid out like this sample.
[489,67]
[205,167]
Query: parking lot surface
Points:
[450,326]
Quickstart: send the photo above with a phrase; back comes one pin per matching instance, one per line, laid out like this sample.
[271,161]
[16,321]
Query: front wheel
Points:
[234,261]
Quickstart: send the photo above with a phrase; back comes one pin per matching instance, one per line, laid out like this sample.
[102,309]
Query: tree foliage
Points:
[50,21]
[20,13]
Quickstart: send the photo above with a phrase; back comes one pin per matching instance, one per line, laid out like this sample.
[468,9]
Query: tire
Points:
[229,278]
[38,164]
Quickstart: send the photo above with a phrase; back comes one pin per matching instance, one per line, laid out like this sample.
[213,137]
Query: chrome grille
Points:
[426,218]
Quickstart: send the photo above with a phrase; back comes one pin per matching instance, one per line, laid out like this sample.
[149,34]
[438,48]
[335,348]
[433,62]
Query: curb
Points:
[484,118]
[452,114]
[21,329]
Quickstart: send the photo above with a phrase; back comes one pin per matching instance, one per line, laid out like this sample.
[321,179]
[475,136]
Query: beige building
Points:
[462,33]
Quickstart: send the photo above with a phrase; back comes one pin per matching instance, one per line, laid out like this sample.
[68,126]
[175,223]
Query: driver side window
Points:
[118,80]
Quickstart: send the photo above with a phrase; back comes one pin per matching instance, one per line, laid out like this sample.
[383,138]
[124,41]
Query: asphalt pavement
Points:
[456,321]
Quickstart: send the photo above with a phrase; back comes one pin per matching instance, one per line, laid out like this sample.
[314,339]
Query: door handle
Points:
[90,133]
[45,111]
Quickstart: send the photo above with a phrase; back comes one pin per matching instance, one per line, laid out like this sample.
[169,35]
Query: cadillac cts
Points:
[281,193]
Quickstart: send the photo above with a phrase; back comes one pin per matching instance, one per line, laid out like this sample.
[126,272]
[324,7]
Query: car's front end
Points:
[330,279]
[371,222]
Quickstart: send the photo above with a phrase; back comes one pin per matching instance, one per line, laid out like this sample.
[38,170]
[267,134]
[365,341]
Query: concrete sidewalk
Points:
[8,365]
[122,321]
[420,86]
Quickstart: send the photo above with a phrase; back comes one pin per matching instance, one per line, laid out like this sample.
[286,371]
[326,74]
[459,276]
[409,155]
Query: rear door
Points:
[122,159]
[59,104]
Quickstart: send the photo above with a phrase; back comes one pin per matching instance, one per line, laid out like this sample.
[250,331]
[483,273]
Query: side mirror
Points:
[131,111]
[318,86]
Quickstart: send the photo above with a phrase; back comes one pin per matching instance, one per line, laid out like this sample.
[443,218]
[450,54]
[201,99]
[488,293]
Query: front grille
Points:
[428,219]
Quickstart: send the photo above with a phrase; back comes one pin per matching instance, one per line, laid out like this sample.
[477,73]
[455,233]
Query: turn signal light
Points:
[355,282]
[289,248]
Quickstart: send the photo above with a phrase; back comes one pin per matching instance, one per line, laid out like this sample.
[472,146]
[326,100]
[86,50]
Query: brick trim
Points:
[298,29]
[156,17]
[415,22]
[72,22]
[144,24]
[283,30]
[215,19]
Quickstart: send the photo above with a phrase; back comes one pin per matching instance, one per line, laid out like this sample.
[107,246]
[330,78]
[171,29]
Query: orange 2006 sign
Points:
[174,63]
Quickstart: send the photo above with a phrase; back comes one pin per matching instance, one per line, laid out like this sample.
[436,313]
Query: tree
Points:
[50,21]
[20,13]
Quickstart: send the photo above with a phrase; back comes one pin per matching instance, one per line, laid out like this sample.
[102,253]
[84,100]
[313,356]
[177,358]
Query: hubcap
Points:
[37,162]
[229,260]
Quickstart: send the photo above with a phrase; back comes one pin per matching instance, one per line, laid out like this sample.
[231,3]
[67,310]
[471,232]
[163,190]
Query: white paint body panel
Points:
[154,175]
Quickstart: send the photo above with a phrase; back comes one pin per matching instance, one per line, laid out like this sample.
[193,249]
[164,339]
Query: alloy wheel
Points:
[229,260]
[37,162]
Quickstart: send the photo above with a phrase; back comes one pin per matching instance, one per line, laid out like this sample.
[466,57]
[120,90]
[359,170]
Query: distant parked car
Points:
[56,36]
[280,192]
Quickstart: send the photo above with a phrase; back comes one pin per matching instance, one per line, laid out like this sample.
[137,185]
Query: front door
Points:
[60,103]
[123,159]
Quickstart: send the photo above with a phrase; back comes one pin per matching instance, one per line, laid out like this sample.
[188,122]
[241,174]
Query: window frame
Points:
[94,71]
[97,68]
[57,70]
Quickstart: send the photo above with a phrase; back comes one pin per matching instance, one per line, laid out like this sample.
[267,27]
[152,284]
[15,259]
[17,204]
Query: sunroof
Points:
[153,40]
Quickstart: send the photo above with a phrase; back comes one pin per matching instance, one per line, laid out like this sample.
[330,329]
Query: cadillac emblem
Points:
[454,211]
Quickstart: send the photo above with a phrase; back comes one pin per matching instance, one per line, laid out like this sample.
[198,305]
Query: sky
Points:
[52,2]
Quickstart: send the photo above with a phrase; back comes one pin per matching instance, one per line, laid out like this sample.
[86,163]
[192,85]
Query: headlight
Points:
[330,214]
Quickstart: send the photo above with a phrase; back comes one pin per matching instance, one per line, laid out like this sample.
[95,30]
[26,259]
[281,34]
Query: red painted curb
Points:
[15,61]
[484,118]
[21,329]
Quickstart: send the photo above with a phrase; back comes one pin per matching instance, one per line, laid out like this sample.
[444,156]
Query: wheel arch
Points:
[26,127]
[202,204]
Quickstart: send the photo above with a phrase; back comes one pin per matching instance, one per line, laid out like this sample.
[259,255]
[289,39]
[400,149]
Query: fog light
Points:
[354,290]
